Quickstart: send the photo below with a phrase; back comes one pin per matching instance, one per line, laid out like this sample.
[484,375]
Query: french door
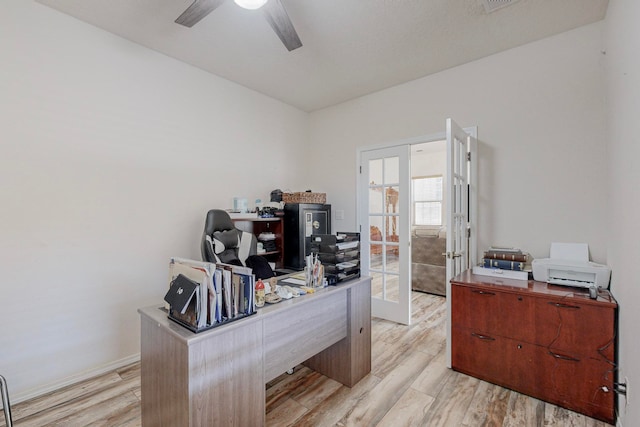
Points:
[457,200]
[461,209]
[384,186]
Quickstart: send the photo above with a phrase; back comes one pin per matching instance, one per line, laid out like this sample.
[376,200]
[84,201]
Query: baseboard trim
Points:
[74,379]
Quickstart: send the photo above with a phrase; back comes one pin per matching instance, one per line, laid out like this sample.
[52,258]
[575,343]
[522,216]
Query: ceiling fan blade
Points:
[198,10]
[281,24]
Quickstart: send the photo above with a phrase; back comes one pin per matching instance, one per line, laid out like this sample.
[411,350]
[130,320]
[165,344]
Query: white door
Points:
[461,233]
[384,187]
[457,200]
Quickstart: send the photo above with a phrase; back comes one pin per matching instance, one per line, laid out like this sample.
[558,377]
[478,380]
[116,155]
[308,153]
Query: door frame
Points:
[473,177]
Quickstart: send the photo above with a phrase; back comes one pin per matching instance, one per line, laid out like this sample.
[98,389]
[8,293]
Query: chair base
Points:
[6,406]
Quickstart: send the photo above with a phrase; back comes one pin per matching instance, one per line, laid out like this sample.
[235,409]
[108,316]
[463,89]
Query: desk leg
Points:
[218,380]
[164,371]
[349,360]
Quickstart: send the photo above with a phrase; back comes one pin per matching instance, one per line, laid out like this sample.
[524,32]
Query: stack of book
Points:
[505,262]
[505,259]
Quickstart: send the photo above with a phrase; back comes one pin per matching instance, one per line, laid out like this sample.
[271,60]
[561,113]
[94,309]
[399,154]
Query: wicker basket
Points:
[304,197]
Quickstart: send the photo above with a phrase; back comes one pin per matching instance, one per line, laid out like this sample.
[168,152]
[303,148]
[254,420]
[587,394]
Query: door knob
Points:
[452,254]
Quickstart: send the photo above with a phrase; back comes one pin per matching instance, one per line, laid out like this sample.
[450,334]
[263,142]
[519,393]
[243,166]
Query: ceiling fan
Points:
[273,10]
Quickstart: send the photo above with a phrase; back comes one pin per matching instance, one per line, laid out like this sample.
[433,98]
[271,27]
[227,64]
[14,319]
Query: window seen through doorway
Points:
[427,200]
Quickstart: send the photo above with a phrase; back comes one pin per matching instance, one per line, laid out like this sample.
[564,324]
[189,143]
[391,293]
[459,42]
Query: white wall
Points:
[431,160]
[622,44]
[541,124]
[110,156]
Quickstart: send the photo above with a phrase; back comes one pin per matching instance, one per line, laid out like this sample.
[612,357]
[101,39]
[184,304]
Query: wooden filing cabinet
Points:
[550,342]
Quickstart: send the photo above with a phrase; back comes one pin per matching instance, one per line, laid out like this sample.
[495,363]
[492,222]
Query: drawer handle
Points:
[561,305]
[482,337]
[563,357]
[483,292]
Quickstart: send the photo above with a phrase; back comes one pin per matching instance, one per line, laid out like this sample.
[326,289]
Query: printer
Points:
[569,265]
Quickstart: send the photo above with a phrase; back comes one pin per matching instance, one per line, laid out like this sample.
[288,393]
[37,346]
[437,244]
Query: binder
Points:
[201,273]
[180,293]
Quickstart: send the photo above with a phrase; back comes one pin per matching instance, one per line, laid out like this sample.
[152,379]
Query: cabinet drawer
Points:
[581,384]
[494,312]
[582,329]
[493,358]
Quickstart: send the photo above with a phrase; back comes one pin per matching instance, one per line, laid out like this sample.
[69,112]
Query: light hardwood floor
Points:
[409,385]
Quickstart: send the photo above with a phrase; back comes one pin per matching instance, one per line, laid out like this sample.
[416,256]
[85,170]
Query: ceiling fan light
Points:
[250,4]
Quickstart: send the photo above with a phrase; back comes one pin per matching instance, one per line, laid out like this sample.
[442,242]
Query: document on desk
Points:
[238,293]
[211,303]
[217,284]
[245,284]
[227,296]
[294,281]
[570,251]
[347,245]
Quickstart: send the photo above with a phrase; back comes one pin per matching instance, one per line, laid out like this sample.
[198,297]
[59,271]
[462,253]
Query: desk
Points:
[218,377]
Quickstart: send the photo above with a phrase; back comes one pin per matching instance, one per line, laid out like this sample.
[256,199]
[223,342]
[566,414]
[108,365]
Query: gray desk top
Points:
[158,314]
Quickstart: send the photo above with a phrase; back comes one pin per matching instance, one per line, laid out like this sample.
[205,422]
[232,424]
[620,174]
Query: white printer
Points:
[569,265]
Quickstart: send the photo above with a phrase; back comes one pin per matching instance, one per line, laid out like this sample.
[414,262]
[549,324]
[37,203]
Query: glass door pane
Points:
[383,224]
[386,187]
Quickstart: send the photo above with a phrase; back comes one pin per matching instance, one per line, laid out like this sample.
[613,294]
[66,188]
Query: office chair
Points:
[6,406]
[223,242]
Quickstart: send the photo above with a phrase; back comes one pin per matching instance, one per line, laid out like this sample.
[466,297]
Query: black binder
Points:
[180,293]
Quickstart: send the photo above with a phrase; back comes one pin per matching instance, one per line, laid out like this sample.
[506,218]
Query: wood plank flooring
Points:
[409,385]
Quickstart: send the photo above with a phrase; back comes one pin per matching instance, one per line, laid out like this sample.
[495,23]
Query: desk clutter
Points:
[204,295]
[339,255]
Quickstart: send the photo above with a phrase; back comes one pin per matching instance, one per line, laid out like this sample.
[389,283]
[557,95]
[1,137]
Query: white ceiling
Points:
[350,47]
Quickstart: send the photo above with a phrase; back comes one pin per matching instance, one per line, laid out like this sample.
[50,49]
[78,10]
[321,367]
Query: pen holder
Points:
[314,272]
[313,280]
[307,277]
[319,279]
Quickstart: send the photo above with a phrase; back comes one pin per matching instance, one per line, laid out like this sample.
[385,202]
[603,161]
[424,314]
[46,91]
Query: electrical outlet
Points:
[627,395]
[339,214]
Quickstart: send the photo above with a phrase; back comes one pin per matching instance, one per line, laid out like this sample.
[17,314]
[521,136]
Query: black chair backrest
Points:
[216,220]
[219,225]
